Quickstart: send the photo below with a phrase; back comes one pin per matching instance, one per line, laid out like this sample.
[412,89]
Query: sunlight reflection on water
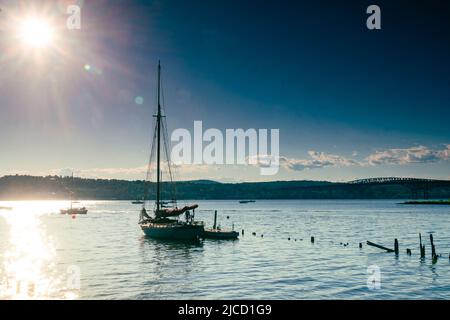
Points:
[28,269]
[42,252]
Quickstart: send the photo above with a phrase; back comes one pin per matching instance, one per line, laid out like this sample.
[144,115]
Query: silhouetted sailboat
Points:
[164,224]
[73,210]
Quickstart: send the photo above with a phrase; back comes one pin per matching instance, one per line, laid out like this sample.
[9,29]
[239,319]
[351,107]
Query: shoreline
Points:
[428,202]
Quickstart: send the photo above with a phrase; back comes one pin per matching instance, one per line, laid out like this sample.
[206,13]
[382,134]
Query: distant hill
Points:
[203,182]
[20,187]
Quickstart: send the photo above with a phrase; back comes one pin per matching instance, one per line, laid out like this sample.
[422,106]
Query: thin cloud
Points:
[318,160]
[420,154]
[101,172]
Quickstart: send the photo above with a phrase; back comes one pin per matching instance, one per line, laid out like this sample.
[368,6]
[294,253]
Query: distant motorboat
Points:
[137,202]
[246,201]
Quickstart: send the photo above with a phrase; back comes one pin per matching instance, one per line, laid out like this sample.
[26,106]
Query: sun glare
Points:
[36,32]
[28,268]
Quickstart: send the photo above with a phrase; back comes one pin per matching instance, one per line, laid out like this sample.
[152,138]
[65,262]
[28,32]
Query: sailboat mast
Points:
[158,152]
[71,200]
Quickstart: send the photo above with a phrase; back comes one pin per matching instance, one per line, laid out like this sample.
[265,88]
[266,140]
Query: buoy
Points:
[73,216]
[262,236]
[408,252]
[289,238]
[254,233]
[242,231]
[360,245]
[312,239]
[228,217]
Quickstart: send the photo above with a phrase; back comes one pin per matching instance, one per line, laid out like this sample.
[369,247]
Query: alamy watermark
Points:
[374,278]
[239,147]
[68,285]
[74,20]
[373,22]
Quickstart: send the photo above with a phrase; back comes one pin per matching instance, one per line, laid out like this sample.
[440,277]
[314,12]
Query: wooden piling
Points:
[312,239]
[433,249]
[360,245]
[215,219]
[408,252]
[396,246]
[242,231]
[421,247]
[379,246]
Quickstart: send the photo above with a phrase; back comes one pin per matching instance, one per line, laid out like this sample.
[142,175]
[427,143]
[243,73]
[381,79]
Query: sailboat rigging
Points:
[160,225]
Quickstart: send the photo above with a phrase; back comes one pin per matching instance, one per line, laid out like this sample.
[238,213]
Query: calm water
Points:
[46,255]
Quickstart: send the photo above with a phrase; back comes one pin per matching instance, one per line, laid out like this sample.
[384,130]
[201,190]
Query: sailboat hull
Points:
[173,231]
[74,211]
[220,234]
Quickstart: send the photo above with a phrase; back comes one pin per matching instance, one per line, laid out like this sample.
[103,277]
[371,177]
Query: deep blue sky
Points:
[310,68]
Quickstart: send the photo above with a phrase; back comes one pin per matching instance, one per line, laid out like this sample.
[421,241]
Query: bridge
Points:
[419,187]
[395,180]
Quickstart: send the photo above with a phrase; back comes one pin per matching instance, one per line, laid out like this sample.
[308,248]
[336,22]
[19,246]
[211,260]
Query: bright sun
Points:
[36,32]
